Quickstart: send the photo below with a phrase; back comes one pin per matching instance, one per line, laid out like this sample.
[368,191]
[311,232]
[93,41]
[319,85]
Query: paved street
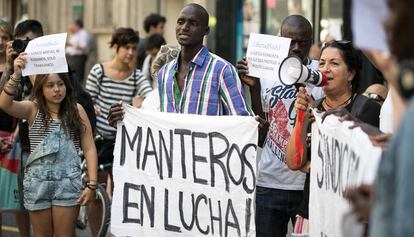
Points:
[9,228]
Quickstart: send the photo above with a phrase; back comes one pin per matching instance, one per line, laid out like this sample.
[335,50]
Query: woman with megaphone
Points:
[340,63]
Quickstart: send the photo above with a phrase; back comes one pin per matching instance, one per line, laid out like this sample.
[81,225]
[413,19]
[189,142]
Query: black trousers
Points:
[77,66]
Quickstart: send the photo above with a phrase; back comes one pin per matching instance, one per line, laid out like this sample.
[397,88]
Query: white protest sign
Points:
[184,175]
[341,158]
[264,55]
[368,18]
[46,54]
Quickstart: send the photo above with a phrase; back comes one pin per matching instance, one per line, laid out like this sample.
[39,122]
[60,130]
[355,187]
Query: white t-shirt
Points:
[273,171]
[80,38]
[386,116]
[152,101]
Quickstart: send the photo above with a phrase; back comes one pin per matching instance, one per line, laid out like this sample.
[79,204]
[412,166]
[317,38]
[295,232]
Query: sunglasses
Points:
[337,43]
[374,96]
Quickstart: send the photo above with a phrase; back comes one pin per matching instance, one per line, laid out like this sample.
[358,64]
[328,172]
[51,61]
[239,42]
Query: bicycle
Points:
[102,196]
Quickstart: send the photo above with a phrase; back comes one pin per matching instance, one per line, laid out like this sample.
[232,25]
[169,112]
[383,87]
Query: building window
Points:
[331,20]
[102,10]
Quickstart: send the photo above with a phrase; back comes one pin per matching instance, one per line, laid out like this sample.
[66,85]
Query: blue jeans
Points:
[274,208]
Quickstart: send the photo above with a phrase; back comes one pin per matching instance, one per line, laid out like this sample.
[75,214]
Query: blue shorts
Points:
[47,184]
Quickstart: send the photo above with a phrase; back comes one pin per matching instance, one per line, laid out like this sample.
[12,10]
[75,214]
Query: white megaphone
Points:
[292,71]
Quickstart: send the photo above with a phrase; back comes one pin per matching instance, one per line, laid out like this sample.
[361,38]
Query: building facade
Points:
[231,21]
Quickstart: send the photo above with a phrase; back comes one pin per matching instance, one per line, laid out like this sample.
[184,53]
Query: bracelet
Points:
[92,187]
[9,93]
[17,81]
[14,82]
[91,182]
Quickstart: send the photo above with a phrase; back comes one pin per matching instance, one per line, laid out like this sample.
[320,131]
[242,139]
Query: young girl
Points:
[58,128]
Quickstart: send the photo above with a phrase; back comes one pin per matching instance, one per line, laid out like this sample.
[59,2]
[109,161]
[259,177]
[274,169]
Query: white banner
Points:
[341,158]
[184,175]
[46,54]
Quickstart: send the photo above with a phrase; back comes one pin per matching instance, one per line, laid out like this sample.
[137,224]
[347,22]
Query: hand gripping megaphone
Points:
[292,71]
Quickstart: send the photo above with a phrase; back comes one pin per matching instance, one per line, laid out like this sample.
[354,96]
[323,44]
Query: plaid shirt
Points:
[212,87]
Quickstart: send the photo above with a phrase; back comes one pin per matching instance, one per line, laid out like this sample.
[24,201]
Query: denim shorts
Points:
[49,183]
[52,174]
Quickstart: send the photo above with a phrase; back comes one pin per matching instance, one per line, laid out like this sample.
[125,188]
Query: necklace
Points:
[53,112]
[344,103]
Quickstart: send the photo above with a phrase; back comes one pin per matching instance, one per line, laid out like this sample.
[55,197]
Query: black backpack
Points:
[100,79]
[357,106]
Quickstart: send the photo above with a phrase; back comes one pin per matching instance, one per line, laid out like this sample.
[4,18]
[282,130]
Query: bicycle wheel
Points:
[81,221]
[103,197]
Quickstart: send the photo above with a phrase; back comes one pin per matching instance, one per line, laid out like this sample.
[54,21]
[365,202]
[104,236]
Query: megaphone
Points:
[292,71]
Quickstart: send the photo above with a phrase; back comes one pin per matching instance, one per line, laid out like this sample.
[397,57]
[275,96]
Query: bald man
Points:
[198,81]
[279,190]
[377,92]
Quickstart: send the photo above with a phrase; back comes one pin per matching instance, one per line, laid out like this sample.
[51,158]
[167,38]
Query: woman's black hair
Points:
[123,36]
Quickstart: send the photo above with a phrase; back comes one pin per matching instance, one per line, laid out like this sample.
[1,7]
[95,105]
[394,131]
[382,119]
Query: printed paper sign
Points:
[46,54]
[264,55]
[341,158]
[184,175]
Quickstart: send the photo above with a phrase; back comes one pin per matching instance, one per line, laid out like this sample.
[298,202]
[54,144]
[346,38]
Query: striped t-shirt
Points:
[212,87]
[37,131]
[105,92]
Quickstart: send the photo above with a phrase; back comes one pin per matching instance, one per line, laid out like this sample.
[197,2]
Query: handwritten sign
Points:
[264,55]
[46,54]
[338,162]
[184,175]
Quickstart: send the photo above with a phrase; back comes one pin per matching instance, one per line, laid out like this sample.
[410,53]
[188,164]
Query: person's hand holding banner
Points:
[46,54]
[338,163]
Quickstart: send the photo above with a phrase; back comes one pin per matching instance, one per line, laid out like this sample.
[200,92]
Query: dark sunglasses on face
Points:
[374,96]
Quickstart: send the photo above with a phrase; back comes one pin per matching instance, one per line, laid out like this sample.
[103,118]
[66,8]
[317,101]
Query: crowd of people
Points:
[43,112]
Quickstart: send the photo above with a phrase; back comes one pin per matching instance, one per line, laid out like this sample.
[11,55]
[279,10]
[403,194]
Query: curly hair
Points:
[68,110]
